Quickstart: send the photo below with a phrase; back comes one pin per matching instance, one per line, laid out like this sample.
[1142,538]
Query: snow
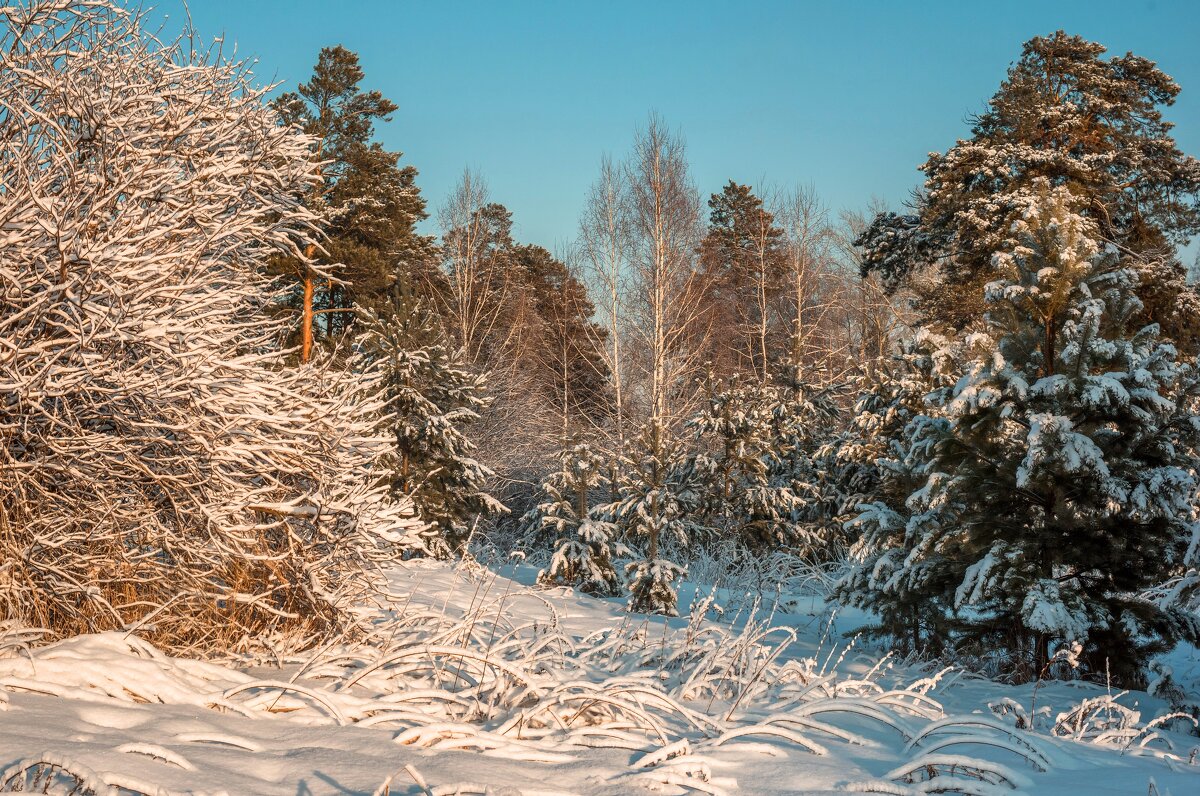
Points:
[475,682]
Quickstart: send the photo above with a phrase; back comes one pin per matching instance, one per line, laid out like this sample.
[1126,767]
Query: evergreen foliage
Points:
[1056,475]
[1092,125]
[806,420]
[584,544]
[884,460]
[659,500]
[743,261]
[432,400]
[369,203]
[889,396]
[747,493]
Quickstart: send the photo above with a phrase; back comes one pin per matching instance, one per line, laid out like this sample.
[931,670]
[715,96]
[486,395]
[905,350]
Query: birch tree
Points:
[605,243]
[818,353]
[665,306]
[874,316]
[475,232]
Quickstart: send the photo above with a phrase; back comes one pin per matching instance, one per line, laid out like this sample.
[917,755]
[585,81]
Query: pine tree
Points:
[743,265]
[747,493]
[370,204]
[659,499]
[570,371]
[584,543]
[1090,124]
[1057,479]
[374,208]
[431,399]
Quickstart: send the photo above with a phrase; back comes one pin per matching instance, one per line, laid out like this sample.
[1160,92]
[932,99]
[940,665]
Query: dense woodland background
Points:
[238,376]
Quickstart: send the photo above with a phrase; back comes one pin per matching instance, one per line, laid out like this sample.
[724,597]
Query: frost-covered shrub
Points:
[160,468]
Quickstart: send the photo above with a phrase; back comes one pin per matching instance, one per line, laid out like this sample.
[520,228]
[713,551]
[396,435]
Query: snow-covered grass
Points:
[474,682]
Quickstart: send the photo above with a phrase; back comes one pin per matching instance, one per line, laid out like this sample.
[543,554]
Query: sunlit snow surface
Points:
[479,684]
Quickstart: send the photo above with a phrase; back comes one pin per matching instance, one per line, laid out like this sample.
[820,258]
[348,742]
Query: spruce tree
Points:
[584,543]
[1057,476]
[431,399]
[747,493]
[889,395]
[659,500]
[805,421]
[883,461]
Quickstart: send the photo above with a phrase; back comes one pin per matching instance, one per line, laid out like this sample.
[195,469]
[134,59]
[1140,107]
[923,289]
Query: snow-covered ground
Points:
[477,683]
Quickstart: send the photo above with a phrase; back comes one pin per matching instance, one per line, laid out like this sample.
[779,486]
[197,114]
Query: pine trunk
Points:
[306,315]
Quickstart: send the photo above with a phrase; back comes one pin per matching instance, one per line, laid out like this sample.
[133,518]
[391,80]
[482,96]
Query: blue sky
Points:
[846,96]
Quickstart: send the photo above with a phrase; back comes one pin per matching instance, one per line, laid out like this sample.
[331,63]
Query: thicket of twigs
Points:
[159,468]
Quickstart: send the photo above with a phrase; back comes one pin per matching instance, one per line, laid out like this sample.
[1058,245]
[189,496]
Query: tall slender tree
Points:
[606,244]
[370,203]
[810,305]
[476,247]
[666,311]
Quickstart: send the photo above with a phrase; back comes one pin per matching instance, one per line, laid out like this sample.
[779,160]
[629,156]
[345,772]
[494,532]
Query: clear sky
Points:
[847,96]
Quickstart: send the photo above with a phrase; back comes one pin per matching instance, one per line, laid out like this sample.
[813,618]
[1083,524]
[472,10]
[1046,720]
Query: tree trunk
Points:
[1048,349]
[581,500]
[306,318]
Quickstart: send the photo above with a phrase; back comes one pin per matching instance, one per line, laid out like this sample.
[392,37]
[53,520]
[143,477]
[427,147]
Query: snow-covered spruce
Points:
[885,452]
[889,396]
[805,419]
[584,546]
[1056,480]
[159,467]
[744,495]
[431,399]
[659,499]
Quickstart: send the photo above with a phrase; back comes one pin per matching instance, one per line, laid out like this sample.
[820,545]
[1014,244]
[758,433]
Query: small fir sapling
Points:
[584,545]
